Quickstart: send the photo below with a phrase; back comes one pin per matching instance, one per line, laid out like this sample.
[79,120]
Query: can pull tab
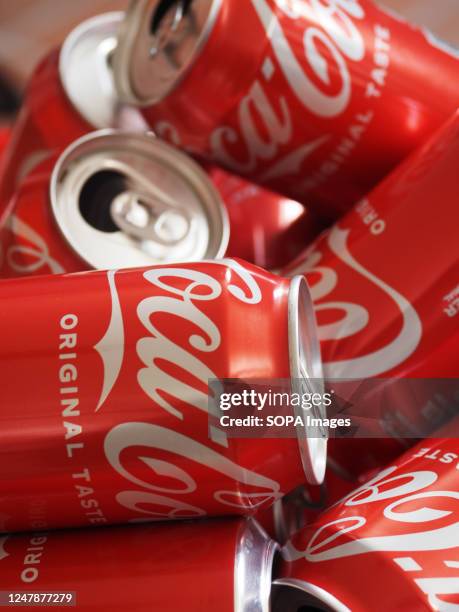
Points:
[148,218]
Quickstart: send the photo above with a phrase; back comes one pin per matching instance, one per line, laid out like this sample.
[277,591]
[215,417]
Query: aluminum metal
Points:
[307,377]
[124,200]
[86,72]
[158,42]
[253,569]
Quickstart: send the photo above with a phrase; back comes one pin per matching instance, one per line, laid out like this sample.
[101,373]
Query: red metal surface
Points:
[46,122]
[31,242]
[392,544]
[267,229]
[322,109]
[382,278]
[131,568]
[104,391]
[384,284]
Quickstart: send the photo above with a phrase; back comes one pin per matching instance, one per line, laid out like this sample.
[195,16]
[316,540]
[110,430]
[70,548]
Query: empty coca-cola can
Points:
[389,545]
[142,568]
[105,399]
[113,200]
[70,93]
[317,100]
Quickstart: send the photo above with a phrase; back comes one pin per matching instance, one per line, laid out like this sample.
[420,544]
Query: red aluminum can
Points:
[70,93]
[384,282]
[105,397]
[390,545]
[146,568]
[317,100]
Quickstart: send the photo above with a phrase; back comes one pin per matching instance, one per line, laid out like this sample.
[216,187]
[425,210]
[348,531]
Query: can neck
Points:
[255,555]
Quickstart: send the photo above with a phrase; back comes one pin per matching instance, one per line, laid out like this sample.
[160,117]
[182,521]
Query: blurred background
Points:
[28,28]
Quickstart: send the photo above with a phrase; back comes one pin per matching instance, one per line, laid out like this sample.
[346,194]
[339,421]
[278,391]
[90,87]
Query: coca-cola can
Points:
[113,200]
[390,545]
[143,568]
[70,93]
[384,282]
[267,229]
[318,101]
[105,414]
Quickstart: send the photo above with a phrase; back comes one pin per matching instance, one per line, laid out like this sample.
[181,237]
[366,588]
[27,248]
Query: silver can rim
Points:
[255,554]
[305,371]
[138,13]
[105,100]
[192,171]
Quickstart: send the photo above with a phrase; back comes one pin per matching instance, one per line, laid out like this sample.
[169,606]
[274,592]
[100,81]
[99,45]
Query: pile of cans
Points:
[229,189]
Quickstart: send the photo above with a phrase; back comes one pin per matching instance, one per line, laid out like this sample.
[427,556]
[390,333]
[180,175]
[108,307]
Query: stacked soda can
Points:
[212,190]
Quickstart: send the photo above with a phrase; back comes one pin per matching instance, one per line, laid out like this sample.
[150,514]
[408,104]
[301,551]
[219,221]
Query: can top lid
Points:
[85,68]
[127,200]
[157,44]
[307,377]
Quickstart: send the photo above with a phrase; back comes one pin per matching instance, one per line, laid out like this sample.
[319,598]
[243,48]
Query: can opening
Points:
[96,199]
[158,43]
[126,200]
[288,599]
[291,595]
[171,11]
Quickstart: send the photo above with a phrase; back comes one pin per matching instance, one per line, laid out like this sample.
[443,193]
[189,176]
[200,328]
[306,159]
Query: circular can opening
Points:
[291,595]
[158,43]
[169,11]
[126,200]
[96,199]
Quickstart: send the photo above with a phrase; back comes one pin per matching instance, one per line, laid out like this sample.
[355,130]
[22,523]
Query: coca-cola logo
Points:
[356,317]
[32,254]
[403,490]
[330,40]
[415,501]
[264,117]
[178,301]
